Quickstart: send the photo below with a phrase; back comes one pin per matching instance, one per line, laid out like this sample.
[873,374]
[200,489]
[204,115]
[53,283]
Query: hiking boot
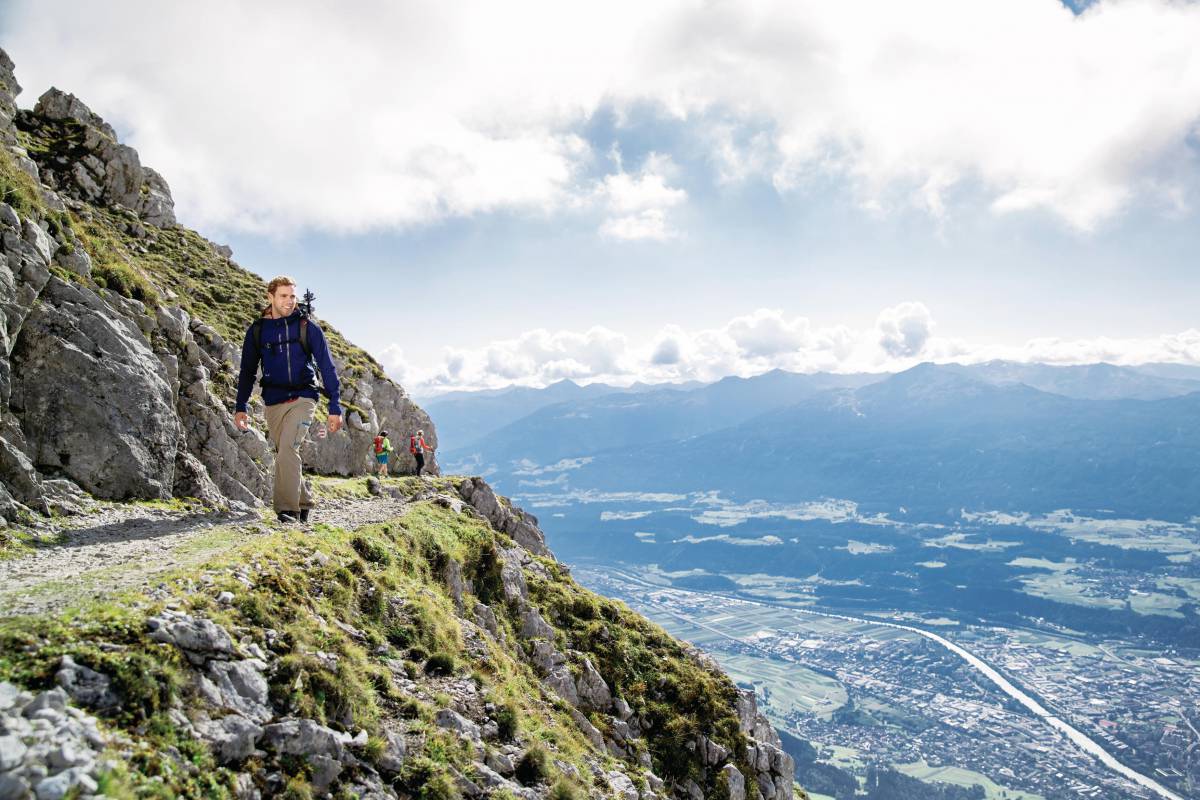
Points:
[286,516]
[304,514]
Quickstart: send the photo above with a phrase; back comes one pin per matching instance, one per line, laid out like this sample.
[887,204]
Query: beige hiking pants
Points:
[287,426]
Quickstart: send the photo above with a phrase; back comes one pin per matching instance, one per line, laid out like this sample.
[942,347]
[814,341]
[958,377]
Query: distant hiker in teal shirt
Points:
[383,451]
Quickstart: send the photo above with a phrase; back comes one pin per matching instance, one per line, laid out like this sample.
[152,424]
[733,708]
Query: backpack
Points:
[256,335]
[378,445]
[412,446]
[256,327]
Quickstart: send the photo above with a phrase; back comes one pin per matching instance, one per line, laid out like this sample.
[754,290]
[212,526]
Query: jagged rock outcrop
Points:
[112,378]
[88,164]
[372,405]
[93,399]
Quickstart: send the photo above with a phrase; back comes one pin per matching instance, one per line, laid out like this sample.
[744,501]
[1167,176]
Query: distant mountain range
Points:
[934,439]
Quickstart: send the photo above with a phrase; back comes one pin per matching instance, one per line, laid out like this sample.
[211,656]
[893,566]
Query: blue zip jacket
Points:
[287,372]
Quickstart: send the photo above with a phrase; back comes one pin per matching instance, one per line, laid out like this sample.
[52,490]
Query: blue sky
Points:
[679,192]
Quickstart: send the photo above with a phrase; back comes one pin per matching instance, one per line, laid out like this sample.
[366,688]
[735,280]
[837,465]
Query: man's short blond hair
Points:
[280,280]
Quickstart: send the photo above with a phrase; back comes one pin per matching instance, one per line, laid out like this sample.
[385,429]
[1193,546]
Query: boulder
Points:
[12,751]
[303,737]
[232,738]
[451,720]
[735,782]
[556,675]
[243,688]
[592,690]
[534,627]
[93,399]
[86,686]
[201,640]
[391,760]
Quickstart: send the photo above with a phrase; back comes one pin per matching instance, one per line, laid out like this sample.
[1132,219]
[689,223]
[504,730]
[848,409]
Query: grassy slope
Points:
[384,581]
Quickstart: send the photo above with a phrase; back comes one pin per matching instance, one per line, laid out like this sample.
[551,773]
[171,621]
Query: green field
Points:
[964,777]
[1129,534]
[1051,642]
[1064,587]
[1191,586]
[959,540]
[786,686]
[1042,563]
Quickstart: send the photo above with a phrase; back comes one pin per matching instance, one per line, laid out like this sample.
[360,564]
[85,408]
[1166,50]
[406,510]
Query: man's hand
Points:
[241,421]
[335,423]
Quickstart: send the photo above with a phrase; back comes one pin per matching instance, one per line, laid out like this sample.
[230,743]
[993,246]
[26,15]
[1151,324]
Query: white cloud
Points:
[385,114]
[638,204]
[904,329]
[394,363]
[762,340]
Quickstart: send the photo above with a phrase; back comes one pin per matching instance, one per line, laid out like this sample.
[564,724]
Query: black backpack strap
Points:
[256,332]
[304,337]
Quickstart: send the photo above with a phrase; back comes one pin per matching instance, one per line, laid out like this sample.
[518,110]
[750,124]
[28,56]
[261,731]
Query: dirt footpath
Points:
[116,547]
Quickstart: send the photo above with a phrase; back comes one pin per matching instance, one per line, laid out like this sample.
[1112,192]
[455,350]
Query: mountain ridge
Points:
[121,333]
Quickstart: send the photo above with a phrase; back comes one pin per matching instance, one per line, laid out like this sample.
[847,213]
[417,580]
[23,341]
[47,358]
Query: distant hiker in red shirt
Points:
[417,446]
[383,450]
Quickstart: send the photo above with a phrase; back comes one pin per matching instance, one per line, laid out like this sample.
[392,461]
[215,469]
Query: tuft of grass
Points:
[125,281]
[534,766]
[439,664]
[563,789]
[507,721]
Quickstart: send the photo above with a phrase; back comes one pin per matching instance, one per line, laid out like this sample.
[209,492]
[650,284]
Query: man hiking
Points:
[417,446]
[287,344]
[383,451]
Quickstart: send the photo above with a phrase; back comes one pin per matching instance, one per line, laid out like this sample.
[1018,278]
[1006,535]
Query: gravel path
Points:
[118,547]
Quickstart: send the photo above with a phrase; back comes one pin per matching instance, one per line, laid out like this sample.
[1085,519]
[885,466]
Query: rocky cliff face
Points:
[120,332]
[444,654]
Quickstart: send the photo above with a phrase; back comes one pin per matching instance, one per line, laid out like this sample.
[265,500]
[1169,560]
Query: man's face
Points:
[283,302]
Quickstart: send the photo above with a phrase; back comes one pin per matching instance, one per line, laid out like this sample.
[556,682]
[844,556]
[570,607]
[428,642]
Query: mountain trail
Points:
[116,547]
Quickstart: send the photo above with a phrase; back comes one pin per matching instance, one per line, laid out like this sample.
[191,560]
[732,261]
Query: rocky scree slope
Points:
[121,331]
[442,654]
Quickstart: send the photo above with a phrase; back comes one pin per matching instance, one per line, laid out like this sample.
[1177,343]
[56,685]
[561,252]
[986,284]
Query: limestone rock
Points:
[201,640]
[592,690]
[232,738]
[622,785]
[243,688]
[534,627]
[94,400]
[303,737]
[556,675]
[451,720]
[103,170]
[12,751]
[86,686]
[735,782]
[394,752]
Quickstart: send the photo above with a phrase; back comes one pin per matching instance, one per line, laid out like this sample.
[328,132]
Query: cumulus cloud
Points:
[904,329]
[638,204]
[394,363]
[386,114]
[765,339]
